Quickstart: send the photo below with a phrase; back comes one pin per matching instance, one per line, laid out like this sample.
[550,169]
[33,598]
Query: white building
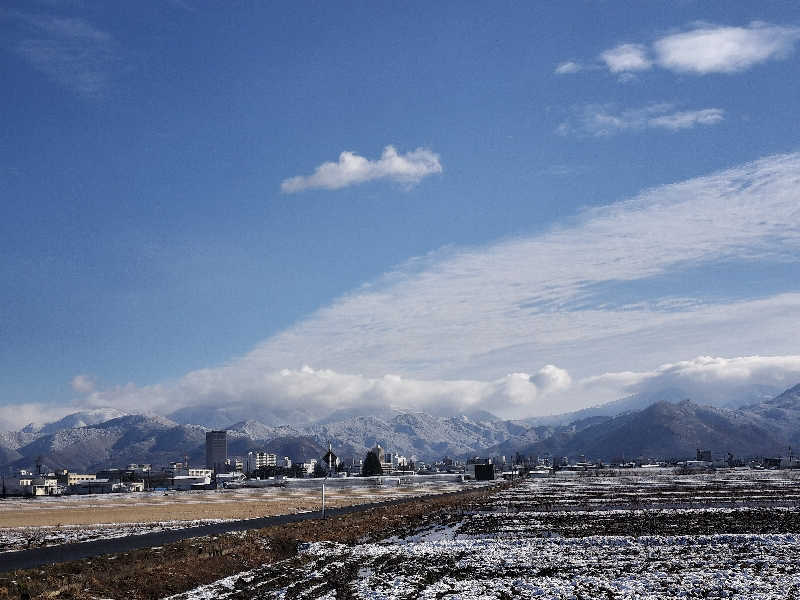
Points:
[256,460]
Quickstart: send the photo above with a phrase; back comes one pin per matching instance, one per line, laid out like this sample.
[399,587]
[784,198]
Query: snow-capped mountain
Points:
[664,428]
[83,418]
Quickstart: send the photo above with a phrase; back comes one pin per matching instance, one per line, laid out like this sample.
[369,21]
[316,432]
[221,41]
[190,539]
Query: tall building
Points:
[378,451]
[216,450]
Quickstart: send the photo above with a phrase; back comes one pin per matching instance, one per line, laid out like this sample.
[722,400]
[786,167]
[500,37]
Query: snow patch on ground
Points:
[499,553]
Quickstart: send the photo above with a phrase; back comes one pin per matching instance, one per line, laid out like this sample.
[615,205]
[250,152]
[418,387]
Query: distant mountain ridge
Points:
[630,427]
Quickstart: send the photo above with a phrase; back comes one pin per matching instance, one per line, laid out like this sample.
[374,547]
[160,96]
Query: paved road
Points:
[28,559]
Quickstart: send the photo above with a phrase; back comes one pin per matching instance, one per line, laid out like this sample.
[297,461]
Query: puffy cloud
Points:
[626,58]
[550,390]
[715,49]
[352,169]
[599,120]
[551,378]
[320,391]
[700,49]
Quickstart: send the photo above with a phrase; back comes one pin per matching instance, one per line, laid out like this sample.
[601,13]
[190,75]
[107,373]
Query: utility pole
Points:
[323,499]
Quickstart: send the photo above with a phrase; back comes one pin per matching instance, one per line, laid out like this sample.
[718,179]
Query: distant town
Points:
[258,469]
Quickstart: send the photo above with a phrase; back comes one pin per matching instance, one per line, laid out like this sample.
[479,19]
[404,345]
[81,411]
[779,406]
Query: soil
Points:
[184,506]
[159,572]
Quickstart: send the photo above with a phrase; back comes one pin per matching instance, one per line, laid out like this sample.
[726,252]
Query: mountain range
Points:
[662,425]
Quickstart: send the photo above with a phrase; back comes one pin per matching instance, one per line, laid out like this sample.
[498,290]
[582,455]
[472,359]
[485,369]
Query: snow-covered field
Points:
[733,537]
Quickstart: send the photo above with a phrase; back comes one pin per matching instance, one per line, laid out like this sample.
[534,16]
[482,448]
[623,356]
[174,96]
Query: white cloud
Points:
[599,120]
[69,51]
[626,58]
[352,169]
[714,49]
[551,378]
[705,379]
[550,390]
[701,49]
[568,67]
[320,391]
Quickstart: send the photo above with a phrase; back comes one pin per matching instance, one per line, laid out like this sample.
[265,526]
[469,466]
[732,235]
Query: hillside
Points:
[666,430]
[133,438]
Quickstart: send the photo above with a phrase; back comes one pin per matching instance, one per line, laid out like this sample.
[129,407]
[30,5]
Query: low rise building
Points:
[140,467]
[75,478]
[92,486]
[480,471]
[198,472]
[189,482]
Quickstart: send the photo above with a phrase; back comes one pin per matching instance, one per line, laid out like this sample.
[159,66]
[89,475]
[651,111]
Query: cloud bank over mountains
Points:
[584,313]
[550,390]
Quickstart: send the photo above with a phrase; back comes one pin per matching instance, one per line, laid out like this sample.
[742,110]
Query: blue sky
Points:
[162,220]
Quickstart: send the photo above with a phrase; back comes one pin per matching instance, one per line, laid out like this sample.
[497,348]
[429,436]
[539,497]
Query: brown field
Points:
[140,574]
[184,506]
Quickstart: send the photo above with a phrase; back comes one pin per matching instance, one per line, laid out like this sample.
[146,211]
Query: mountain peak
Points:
[82,418]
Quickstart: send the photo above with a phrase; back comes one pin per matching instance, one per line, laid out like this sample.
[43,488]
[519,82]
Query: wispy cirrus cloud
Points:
[568,67]
[70,51]
[352,169]
[553,298]
[537,324]
[603,120]
[702,49]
